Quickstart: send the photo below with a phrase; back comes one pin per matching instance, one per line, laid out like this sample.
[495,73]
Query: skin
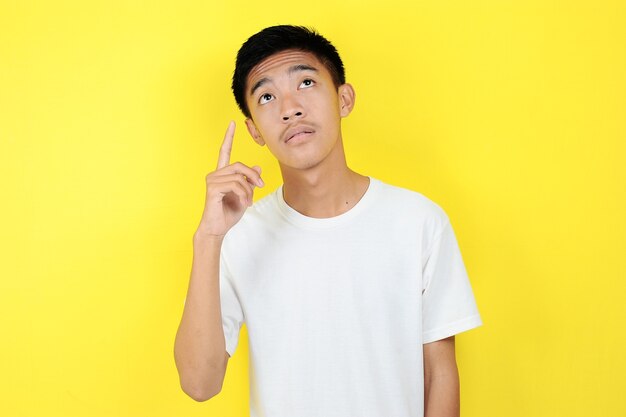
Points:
[441,379]
[317,180]
[295,94]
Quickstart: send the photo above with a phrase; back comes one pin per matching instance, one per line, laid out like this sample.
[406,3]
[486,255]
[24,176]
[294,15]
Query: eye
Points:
[265,98]
[307,83]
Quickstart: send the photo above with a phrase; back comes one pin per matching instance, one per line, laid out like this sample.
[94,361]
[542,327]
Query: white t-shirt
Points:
[337,309]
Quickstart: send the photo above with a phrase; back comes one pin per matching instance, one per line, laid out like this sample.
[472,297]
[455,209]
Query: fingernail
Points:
[261,183]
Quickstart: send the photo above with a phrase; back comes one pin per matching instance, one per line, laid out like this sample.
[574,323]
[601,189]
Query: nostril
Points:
[285,117]
[299,113]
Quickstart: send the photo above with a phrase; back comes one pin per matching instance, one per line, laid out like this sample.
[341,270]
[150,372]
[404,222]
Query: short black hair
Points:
[280,38]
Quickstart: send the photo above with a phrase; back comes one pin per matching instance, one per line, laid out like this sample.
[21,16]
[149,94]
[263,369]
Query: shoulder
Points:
[410,205]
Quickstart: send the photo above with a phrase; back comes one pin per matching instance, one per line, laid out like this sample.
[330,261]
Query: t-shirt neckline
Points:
[301,220]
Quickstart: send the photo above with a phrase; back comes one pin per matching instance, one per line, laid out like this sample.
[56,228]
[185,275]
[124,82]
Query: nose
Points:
[291,108]
[287,117]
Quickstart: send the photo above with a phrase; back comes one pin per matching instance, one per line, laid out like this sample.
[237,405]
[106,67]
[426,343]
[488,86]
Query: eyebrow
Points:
[291,70]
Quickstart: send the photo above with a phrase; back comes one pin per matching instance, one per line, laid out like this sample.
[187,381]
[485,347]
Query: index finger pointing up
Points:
[227,146]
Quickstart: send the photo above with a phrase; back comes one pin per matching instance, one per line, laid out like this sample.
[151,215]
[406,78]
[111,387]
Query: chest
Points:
[327,276]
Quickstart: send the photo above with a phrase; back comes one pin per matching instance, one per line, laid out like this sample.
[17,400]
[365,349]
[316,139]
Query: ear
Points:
[254,132]
[346,99]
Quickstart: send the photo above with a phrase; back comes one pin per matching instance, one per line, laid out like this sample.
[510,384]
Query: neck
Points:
[325,190]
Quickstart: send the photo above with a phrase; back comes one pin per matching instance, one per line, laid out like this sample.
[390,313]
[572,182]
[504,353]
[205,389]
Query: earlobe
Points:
[347,97]
[254,132]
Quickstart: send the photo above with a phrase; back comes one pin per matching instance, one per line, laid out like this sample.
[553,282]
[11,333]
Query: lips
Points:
[297,131]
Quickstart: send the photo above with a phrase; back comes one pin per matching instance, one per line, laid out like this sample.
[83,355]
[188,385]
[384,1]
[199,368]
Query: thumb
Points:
[257,169]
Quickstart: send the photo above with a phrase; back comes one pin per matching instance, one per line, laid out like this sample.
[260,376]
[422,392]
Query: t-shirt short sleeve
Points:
[232,314]
[448,304]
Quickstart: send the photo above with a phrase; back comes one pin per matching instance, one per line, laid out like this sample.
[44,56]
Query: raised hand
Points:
[229,191]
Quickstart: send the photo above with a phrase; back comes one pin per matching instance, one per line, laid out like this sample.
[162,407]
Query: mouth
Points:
[297,133]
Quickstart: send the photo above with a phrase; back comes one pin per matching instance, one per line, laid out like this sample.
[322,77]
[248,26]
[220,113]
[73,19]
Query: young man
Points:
[351,289]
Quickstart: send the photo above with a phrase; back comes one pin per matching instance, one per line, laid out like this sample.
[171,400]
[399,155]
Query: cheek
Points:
[262,118]
[329,111]
[327,103]
[270,132]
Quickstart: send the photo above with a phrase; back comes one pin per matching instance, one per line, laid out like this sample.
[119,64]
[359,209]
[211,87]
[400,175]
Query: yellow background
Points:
[510,115]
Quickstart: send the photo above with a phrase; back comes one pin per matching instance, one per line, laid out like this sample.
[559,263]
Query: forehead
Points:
[281,62]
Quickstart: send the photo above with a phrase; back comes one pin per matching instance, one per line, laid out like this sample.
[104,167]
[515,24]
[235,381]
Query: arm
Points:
[441,379]
[200,348]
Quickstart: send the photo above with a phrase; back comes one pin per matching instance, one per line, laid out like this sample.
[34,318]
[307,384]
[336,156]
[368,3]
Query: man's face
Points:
[296,109]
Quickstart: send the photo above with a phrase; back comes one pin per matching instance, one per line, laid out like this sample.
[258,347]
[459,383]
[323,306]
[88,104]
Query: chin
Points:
[300,165]
[306,160]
